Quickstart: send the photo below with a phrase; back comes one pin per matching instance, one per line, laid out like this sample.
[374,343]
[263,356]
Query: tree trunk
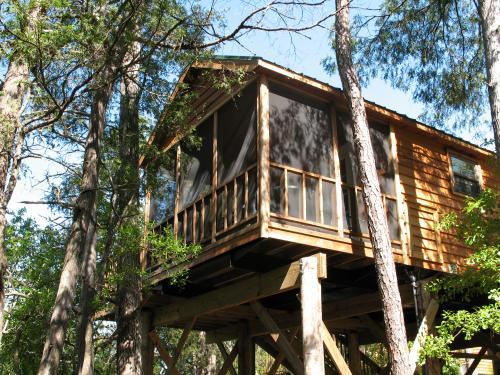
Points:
[82,219]
[490,26]
[85,331]
[129,290]
[11,141]
[377,222]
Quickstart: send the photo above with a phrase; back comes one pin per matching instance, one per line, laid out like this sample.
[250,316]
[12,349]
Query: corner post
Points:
[312,317]
[263,155]
[147,347]
[354,354]
[246,352]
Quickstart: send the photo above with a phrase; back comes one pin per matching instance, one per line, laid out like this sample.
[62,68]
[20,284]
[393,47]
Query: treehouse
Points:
[271,194]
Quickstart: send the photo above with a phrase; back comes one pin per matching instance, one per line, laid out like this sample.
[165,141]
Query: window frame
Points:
[477,171]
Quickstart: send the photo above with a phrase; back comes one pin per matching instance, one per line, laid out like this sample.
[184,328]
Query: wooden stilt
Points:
[334,352]
[163,353]
[147,347]
[228,360]
[425,327]
[310,297]
[476,361]
[354,353]
[280,357]
[246,352]
[278,337]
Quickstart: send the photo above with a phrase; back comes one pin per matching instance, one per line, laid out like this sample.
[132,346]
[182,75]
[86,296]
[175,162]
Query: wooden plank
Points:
[225,356]
[163,353]
[254,287]
[228,361]
[182,340]
[354,353]
[476,361]
[278,336]
[147,346]
[423,330]
[437,232]
[338,181]
[246,352]
[263,156]
[177,190]
[400,203]
[281,356]
[334,352]
[312,317]
[213,211]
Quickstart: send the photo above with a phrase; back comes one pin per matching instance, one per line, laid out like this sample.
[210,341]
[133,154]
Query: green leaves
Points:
[478,225]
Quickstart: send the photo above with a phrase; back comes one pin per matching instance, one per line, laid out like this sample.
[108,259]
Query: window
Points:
[465,176]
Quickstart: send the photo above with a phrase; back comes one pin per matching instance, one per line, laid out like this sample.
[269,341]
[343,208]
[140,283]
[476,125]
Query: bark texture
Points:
[377,222]
[85,331]
[490,25]
[12,93]
[129,291]
[82,219]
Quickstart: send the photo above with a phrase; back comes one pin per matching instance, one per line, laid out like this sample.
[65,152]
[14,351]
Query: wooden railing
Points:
[219,211]
[313,199]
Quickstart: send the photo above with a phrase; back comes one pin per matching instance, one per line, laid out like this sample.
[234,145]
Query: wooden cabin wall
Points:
[426,181]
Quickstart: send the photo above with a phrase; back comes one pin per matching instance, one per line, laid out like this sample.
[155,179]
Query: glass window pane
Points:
[277,189]
[196,167]
[252,191]
[463,168]
[236,135]
[392,218]
[294,194]
[163,197]
[312,199]
[300,132]
[329,206]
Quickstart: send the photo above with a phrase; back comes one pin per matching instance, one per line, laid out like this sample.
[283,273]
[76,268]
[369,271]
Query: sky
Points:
[299,53]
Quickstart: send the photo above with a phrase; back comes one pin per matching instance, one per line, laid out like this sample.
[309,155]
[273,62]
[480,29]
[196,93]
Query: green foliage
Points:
[170,252]
[431,48]
[478,225]
[35,255]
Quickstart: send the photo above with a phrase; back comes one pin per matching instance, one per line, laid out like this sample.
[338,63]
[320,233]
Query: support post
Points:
[476,361]
[263,168]
[312,319]
[147,347]
[354,353]
[425,327]
[246,352]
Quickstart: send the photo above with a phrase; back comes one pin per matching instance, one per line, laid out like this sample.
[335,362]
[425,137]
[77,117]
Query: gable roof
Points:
[261,66]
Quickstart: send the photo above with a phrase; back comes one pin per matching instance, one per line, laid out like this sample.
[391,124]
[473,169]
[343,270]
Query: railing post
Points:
[263,171]
[177,188]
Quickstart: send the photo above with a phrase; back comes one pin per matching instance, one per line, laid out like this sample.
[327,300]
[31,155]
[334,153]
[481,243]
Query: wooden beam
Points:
[225,356]
[147,347]
[263,169]
[425,326]
[334,352]
[489,357]
[278,360]
[312,317]
[277,336]
[354,353]
[182,340]
[246,352]
[403,218]
[335,311]
[254,287]
[163,353]
[228,361]
[375,329]
[476,361]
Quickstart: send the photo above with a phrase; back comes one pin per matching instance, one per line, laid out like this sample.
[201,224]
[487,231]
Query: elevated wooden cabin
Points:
[273,181]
